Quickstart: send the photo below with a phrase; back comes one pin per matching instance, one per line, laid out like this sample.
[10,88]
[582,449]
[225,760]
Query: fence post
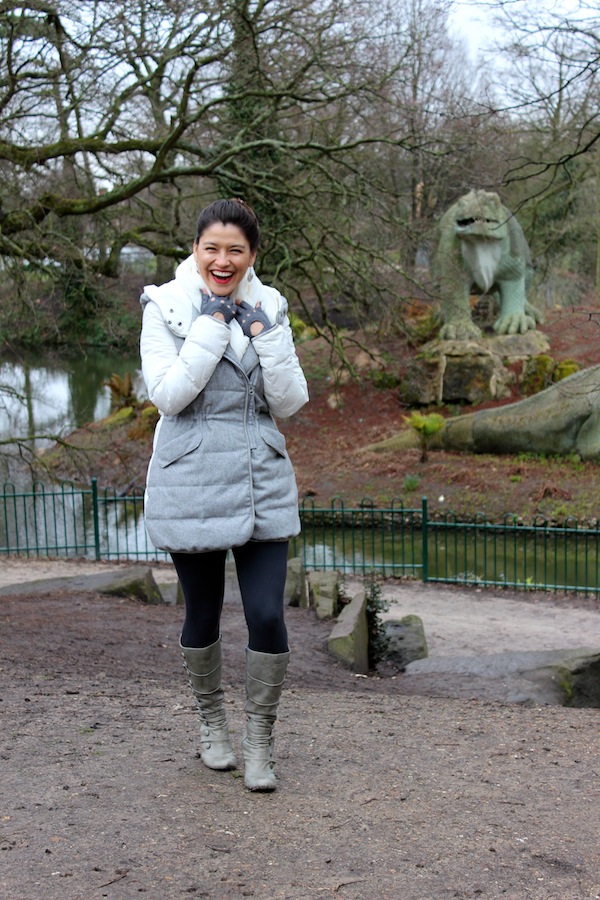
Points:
[96,517]
[425,540]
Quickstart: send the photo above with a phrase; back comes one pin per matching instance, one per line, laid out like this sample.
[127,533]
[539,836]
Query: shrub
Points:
[378,639]
[121,391]
[411,483]
[426,427]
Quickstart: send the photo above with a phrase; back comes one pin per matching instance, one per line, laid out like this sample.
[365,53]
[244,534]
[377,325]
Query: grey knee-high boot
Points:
[265,673]
[203,666]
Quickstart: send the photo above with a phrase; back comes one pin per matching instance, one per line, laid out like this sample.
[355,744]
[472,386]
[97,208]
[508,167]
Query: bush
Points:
[411,483]
[378,639]
[426,427]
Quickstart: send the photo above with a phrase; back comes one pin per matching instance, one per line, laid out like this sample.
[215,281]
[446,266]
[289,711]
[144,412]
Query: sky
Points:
[473,19]
[472,22]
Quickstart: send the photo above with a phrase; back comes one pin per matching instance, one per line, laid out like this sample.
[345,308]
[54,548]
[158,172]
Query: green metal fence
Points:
[391,541]
[67,520]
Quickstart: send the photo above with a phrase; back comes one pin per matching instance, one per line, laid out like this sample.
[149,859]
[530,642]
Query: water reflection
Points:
[54,395]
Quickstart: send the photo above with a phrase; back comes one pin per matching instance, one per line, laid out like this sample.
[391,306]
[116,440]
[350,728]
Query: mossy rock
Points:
[384,380]
[539,374]
[120,417]
[150,414]
[406,640]
[145,423]
[565,368]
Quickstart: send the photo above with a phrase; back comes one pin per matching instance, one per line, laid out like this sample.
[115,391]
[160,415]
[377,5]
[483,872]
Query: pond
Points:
[52,394]
[511,556]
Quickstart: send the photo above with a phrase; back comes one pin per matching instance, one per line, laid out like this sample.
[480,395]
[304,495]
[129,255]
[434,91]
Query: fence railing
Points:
[392,541]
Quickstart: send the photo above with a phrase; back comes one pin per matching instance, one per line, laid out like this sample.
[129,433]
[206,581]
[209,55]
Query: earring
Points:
[250,273]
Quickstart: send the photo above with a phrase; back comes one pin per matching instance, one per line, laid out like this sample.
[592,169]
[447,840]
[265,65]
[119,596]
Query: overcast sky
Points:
[472,21]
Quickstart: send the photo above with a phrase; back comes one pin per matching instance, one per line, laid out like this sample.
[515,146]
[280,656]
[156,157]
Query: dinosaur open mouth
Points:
[464,223]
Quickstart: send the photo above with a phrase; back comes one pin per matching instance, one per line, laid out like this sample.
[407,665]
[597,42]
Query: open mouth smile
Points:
[221,277]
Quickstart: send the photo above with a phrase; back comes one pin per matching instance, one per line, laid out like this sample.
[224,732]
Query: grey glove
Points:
[223,305]
[247,315]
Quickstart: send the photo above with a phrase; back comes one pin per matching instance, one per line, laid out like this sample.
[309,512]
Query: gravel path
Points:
[387,789]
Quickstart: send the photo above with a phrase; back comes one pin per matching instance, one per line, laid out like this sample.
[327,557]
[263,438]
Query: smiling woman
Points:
[223,256]
[219,362]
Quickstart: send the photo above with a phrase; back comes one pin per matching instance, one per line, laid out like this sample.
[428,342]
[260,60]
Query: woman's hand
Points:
[220,307]
[252,319]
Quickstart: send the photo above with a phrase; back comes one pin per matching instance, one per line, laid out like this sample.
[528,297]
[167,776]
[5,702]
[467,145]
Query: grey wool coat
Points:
[220,474]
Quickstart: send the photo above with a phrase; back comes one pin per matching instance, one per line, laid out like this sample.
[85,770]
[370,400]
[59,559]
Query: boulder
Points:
[296,590]
[533,678]
[134,581]
[325,595]
[406,640]
[472,371]
[349,639]
[137,582]
[581,682]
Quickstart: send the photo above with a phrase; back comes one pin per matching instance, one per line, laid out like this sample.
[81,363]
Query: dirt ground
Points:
[388,788]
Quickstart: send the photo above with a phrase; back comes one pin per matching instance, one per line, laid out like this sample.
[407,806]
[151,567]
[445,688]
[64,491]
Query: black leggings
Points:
[261,570]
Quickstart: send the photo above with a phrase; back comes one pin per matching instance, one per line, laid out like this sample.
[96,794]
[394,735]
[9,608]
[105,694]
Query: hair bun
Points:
[246,206]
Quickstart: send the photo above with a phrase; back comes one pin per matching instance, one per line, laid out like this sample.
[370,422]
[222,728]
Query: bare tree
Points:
[119,119]
[551,81]
[338,120]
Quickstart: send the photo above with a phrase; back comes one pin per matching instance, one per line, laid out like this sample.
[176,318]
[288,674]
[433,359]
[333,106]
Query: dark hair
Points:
[234,212]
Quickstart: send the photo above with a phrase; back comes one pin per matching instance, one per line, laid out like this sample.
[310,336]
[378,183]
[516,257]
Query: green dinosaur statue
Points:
[481,243]
[562,419]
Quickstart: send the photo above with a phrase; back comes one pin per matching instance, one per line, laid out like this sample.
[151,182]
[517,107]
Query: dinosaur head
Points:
[479,215]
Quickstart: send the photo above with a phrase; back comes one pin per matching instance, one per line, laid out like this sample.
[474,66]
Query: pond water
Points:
[51,394]
[511,556]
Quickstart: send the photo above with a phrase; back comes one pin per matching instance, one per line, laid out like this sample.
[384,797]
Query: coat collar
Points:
[179,301]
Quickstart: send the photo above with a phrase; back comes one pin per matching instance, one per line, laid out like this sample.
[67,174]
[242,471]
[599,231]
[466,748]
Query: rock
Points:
[474,379]
[125,414]
[406,640]
[582,682]
[296,590]
[513,348]
[325,594]
[137,581]
[533,678]
[171,592]
[473,370]
[349,640]
[423,382]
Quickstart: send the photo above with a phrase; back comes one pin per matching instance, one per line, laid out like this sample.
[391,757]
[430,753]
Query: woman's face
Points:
[223,256]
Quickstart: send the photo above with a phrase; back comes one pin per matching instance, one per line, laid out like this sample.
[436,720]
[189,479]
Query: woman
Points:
[219,362]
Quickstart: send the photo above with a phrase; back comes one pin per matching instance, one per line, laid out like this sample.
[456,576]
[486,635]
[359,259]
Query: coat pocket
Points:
[177,448]
[275,440]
